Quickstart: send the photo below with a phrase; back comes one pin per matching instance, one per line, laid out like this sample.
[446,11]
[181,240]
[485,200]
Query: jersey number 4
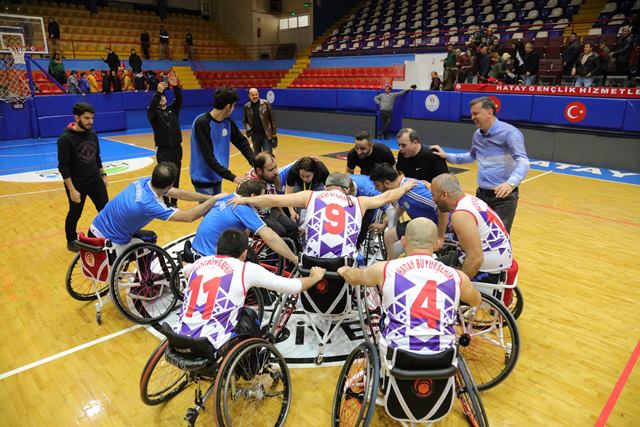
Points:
[210,287]
[336,218]
[430,312]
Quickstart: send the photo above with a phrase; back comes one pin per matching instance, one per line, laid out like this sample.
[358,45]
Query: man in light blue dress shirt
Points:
[502,159]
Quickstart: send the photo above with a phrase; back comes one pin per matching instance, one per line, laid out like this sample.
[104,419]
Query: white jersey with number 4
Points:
[420,298]
[217,289]
[332,224]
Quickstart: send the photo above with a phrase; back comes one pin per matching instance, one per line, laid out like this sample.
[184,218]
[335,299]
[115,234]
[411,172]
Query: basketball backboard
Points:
[22,30]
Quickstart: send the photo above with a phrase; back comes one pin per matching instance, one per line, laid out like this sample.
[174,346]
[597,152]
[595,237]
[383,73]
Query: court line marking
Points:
[68,352]
[535,177]
[617,389]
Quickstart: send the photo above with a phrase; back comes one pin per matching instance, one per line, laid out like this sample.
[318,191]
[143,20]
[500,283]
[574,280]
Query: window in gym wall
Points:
[293,22]
[284,24]
[303,21]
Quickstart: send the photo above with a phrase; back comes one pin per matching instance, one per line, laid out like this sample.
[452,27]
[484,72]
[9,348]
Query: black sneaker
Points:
[72,247]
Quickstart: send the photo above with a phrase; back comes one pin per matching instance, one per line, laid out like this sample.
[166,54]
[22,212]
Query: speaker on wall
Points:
[275,5]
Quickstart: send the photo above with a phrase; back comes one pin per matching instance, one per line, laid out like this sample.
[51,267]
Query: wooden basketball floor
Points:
[576,241]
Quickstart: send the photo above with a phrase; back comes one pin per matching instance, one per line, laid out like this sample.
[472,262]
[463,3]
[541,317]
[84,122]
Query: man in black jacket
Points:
[530,64]
[165,121]
[570,54]
[484,64]
[113,62]
[81,168]
[211,135]
[135,62]
[586,67]
[145,43]
[54,34]
[164,44]
[624,51]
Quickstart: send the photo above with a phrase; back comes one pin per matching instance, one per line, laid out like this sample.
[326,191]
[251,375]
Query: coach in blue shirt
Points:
[502,159]
[141,202]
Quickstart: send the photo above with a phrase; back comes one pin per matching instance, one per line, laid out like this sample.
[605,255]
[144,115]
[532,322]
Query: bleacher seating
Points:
[240,78]
[354,78]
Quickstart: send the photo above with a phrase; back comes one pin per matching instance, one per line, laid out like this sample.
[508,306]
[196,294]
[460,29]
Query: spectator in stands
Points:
[135,62]
[164,44]
[484,64]
[115,81]
[497,68]
[416,160]
[465,65]
[212,133]
[570,54]
[530,64]
[56,69]
[623,52]
[113,62]
[85,87]
[259,122]
[385,101]
[436,83]
[188,46]
[54,34]
[502,159]
[477,37]
[93,81]
[106,81]
[495,45]
[510,75]
[366,154]
[73,87]
[152,80]
[519,54]
[605,61]
[586,67]
[81,168]
[165,122]
[139,81]
[145,43]
[450,68]
[127,83]
[491,36]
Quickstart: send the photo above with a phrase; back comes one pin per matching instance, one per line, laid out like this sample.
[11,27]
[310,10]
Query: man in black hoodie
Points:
[570,54]
[80,165]
[113,62]
[135,62]
[165,121]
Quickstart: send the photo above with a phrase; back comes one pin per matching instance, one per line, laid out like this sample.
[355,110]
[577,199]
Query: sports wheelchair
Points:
[137,280]
[248,379]
[416,388]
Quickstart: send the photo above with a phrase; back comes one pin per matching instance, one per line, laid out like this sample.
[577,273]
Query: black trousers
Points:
[261,143]
[504,207]
[282,224]
[367,219]
[172,154]
[385,119]
[97,192]
[145,50]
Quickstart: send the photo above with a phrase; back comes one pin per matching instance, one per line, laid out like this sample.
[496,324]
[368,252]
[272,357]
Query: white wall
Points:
[419,71]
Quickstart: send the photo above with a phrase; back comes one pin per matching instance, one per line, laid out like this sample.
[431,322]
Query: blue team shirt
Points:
[219,218]
[220,133]
[418,202]
[364,186]
[136,206]
[282,177]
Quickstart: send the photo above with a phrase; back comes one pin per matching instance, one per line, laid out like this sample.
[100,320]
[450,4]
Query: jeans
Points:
[385,122]
[97,192]
[212,190]
[530,80]
[505,207]
[584,81]
[261,143]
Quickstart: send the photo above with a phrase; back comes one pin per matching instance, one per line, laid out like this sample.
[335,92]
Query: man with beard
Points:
[366,154]
[81,168]
[265,171]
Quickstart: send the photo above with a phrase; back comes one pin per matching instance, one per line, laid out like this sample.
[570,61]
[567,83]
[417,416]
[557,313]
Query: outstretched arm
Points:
[192,196]
[294,200]
[276,243]
[370,276]
[386,197]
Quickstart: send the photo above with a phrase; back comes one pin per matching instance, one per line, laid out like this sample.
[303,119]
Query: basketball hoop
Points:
[18,54]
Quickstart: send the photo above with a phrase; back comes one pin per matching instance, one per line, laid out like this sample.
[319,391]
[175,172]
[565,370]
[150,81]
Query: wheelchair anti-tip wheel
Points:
[357,388]
[81,287]
[253,386]
[160,380]
[469,397]
[140,283]
[491,345]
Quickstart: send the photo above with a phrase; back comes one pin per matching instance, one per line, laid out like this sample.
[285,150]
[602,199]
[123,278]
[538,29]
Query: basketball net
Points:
[14,84]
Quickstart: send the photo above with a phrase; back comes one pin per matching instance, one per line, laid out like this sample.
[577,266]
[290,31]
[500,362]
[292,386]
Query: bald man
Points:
[260,123]
[484,246]
[420,295]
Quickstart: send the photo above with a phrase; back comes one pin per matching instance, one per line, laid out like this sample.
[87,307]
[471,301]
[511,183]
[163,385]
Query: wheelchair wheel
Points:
[267,257]
[357,388]
[81,287]
[469,397]
[517,304]
[140,283]
[178,283]
[255,301]
[491,345]
[253,386]
[160,380]
[369,301]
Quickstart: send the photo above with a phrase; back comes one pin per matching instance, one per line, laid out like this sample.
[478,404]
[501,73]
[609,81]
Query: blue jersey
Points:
[220,133]
[418,202]
[219,218]
[282,177]
[136,206]
[364,186]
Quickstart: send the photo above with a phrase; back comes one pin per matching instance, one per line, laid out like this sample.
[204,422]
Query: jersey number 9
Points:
[335,219]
